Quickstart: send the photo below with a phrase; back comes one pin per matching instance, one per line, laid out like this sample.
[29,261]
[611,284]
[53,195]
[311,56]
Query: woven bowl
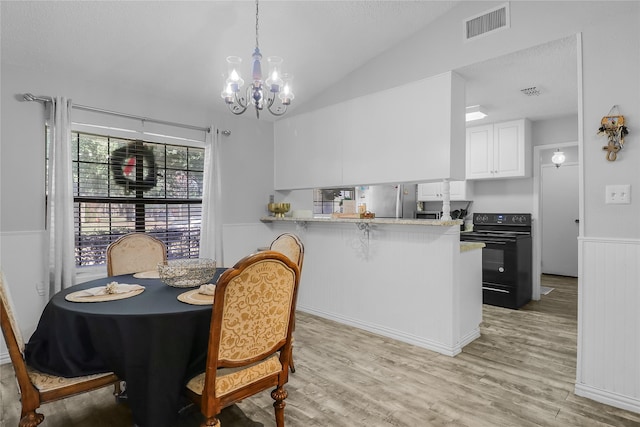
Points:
[187,273]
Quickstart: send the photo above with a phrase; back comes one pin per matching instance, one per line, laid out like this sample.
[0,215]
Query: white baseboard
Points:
[394,334]
[608,398]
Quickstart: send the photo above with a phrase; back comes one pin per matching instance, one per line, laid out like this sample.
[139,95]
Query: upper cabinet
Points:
[500,150]
[410,133]
[433,191]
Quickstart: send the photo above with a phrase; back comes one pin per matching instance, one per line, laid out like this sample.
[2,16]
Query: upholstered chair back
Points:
[135,253]
[290,245]
[257,310]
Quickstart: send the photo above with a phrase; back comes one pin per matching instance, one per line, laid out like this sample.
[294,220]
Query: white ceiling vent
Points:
[487,22]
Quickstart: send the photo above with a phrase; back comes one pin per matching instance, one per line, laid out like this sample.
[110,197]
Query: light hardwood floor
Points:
[520,372]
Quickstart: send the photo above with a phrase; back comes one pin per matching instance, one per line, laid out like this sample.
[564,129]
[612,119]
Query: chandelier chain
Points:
[257,46]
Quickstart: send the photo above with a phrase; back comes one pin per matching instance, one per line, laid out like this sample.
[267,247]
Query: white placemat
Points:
[152,274]
[195,297]
[110,292]
[79,296]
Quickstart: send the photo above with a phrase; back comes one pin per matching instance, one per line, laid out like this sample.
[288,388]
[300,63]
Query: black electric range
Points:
[506,259]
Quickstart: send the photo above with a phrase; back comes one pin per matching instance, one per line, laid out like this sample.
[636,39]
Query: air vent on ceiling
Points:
[531,91]
[487,22]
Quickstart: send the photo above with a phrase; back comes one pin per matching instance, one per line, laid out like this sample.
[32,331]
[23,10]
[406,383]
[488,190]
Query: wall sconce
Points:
[474,112]
[558,158]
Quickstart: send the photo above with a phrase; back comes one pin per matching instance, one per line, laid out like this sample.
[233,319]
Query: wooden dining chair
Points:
[290,245]
[37,387]
[135,253]
[249,336]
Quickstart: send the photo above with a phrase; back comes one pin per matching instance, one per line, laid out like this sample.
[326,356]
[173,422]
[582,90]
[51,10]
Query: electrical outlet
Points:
[618,194]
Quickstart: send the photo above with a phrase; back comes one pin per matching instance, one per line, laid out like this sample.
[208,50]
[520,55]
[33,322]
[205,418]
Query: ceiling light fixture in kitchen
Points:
[260,93]
[474,112]
[558,158]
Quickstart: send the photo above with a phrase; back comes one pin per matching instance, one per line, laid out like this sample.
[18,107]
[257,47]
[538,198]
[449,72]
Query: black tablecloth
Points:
[152,341]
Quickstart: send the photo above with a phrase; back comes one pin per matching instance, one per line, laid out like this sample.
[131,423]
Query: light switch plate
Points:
[618,194]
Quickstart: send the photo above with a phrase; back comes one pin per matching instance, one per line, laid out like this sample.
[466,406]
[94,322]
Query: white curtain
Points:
[60,198]
[211,227]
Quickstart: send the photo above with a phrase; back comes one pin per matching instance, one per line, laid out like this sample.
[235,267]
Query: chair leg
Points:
[211,422]
[292,365]
[120,391]
[31,419]
[279,395]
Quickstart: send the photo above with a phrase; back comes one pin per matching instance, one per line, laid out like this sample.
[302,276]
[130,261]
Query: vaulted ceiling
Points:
[177,49]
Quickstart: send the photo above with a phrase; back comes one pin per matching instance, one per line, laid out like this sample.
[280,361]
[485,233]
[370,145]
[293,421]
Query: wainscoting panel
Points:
[608,366]
[406,282]
[24,269]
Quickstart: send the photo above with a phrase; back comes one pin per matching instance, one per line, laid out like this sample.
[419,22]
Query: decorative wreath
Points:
[117,163]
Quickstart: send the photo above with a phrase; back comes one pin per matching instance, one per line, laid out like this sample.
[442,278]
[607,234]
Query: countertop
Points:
[470,246]
[393,221]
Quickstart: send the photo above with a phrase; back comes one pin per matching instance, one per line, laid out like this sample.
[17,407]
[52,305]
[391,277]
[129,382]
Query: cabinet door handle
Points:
[486,288]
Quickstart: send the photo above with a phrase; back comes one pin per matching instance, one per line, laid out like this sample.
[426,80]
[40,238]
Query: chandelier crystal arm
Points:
[239,104]
[279,110]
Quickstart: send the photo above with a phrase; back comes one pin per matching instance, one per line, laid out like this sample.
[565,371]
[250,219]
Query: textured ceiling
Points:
[177,49]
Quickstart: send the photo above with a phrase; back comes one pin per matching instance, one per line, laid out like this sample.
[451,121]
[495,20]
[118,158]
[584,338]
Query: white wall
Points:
[552,131]
[609,77]
[440,47]
[247,169]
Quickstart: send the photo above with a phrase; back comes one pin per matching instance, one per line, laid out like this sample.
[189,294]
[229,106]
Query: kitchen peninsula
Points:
[411,280]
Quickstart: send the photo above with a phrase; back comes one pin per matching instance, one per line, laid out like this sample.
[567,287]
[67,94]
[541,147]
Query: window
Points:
[123,186]
[329,200]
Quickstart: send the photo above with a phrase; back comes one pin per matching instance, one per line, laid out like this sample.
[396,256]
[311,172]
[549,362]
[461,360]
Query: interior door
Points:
[559,213]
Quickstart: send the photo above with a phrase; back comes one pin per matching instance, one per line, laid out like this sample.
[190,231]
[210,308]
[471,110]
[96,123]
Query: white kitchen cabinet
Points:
[432,191]
[499,150]
[369,140]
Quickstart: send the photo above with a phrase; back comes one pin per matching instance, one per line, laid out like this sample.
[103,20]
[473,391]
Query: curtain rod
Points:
[45,99]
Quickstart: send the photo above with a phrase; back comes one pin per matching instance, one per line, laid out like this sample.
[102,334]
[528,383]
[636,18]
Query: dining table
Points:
[152,340]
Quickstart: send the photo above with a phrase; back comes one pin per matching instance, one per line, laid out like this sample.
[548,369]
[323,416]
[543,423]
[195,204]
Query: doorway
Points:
[559,219]
[566,205]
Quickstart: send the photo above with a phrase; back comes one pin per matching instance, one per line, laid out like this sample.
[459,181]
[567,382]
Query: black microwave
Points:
[428,215]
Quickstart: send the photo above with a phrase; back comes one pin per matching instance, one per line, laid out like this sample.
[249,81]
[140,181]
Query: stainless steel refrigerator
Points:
[388,200]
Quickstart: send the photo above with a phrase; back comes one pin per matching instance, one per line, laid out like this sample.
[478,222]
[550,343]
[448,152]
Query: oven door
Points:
[499,264]
[499,260]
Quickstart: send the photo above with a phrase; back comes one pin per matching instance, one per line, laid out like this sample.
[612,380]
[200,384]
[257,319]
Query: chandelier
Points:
[274,93]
